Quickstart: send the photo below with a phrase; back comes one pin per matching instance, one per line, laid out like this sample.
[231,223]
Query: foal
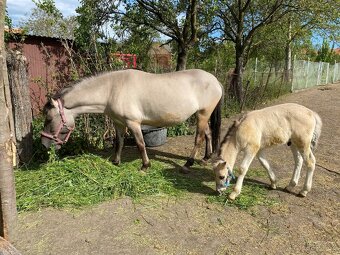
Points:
[291,124]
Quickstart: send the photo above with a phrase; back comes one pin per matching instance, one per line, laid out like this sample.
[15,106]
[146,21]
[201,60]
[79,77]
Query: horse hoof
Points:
[232,196]
[116,163]
[303,193]
[273,186]
[185,170]
[288,189]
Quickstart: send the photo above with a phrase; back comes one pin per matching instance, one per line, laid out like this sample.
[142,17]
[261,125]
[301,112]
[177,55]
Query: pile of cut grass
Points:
[87,180]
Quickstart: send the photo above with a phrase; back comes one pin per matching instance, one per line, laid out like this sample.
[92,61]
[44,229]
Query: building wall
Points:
[48,67]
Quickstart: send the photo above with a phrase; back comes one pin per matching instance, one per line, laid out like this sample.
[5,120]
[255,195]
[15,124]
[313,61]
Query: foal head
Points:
[221,174]
[59,123]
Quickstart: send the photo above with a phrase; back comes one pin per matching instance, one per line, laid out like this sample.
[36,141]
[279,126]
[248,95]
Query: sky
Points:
[19,10]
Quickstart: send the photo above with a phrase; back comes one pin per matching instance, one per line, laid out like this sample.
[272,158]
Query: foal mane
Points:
[231,132]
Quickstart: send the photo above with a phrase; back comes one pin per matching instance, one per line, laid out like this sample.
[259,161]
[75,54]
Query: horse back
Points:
[278,124]
[169,97]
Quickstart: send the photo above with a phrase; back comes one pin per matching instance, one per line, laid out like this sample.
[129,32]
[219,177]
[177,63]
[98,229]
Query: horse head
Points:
[221,174]
[59,123]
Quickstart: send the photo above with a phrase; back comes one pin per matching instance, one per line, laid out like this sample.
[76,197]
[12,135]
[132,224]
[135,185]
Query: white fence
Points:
[307,74]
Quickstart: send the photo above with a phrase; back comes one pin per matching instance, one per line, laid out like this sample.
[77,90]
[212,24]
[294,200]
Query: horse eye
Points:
[221,177]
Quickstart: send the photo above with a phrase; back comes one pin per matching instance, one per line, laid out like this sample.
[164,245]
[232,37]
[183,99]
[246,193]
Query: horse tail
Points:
[215,124]
[317,131]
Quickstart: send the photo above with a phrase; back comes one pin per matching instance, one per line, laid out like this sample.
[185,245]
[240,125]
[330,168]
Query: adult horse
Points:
[133,98]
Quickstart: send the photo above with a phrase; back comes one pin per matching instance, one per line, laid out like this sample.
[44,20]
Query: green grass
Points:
[89,179]
[251,195]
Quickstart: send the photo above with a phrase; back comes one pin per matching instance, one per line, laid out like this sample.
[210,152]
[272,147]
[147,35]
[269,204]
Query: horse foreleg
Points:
[297,169]
[120,132]
[202,124]
[137,133]
[310,162]
[247,159]
[270,172]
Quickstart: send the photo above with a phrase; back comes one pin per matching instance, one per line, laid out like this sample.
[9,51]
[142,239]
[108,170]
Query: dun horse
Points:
[291,124]
[133,98]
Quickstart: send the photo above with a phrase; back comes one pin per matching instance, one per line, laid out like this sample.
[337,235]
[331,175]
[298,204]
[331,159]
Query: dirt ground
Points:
[192,226]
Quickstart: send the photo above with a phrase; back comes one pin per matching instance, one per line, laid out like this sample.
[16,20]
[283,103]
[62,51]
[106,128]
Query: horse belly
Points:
[161,119]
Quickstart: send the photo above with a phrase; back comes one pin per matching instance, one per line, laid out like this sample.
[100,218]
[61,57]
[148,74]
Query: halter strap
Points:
[62,124]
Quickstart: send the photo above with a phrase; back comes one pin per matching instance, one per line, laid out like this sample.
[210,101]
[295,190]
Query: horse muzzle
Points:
[220,188]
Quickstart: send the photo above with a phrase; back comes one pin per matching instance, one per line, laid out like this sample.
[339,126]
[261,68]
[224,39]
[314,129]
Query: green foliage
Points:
[47,20]
[8,23]
[180,129]
[326,54]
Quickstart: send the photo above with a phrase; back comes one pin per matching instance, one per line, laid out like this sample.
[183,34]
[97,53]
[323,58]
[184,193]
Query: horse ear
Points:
[54,102]
[220,163]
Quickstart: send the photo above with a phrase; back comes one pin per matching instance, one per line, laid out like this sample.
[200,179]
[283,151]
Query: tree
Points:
[93,36]
[47,20]
[176,20]
[7,188]
[240,20]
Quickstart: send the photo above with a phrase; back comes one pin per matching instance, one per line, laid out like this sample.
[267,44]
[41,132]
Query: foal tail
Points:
[215,125]
[316,132]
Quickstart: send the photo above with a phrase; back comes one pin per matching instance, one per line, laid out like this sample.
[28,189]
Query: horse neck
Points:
[86,99]
[229,151]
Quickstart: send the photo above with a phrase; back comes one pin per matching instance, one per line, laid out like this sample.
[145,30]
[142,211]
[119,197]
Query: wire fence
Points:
[307,74]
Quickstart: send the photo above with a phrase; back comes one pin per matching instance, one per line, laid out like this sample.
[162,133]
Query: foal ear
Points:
[220,163]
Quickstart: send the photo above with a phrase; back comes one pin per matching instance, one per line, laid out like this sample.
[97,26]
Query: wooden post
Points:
[8,211]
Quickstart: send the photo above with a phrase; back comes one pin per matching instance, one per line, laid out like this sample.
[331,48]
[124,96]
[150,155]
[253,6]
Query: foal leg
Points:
[270,172]
[120,132]
[202,124]
[310,162]
[248,158]
[137,133]
[297,169]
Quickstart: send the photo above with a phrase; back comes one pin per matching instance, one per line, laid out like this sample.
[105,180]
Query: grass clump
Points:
[87,180]
[252,193]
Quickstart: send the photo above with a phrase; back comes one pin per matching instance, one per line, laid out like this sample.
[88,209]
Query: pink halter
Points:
[62,124]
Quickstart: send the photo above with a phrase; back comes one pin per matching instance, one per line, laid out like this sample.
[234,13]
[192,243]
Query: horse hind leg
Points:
[270,172]
[137,133]
[202,125]
[208,144]
[310,162]
[298,159]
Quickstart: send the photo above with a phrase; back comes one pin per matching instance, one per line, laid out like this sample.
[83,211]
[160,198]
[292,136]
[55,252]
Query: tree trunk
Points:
[182,58]
[7,249]
[22,112]
[236,88]
[288,55]
[7,189]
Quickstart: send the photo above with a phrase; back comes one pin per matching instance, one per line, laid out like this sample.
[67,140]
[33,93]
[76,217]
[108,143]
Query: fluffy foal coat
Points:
[291,124]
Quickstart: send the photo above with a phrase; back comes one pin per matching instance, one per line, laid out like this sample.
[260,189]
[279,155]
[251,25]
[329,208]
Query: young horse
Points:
[291,124]
[133,98]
